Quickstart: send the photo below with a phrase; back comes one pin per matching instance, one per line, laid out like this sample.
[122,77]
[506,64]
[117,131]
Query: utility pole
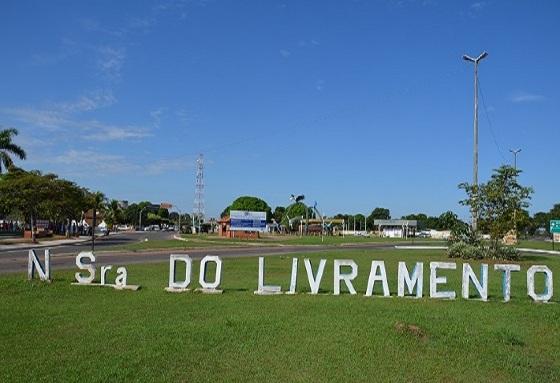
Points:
[515,152]
[475,151]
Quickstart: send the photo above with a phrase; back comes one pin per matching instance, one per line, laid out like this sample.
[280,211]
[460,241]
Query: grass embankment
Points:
[56,331]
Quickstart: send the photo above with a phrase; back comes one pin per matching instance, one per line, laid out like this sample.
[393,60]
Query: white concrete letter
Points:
[506,280]
[293,279]
[35,264]
[469,275]
[435,280]
[263,289]
[104,270]
[374,277]
[210,287]
[89,267]
[548,290]
[314,282]
[122,275]
[173,285]
[417,279]
[346,277]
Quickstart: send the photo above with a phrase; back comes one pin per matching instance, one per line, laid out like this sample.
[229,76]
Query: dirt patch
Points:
[411,330]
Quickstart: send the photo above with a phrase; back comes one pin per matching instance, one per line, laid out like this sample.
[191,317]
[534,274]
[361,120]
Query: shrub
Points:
[457,249]
[465,250]
[505,253]
[474,252]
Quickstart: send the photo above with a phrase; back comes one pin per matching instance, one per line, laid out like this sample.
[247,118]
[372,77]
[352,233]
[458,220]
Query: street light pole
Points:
[515,152]
[180,212]
[475,151]
[140,217]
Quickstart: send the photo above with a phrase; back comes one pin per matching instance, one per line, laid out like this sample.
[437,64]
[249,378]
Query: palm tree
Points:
[8,148]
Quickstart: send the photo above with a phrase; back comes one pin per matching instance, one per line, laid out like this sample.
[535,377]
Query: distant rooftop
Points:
[395,222]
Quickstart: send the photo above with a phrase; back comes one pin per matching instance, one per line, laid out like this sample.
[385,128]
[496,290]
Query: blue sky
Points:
[355,104]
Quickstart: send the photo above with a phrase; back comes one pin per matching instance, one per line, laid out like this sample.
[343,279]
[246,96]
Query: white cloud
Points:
[104,132]
[64,118]
[168,165]
[522,96]
[99,164]
[110,61]
[478,6]
[285,53]
[305,43]
[88,102]
[49,119]
[105,164]
[156,116]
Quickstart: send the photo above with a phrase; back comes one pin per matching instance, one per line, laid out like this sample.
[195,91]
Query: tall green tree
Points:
[295,211]
[377,213]
[554,213]
[360,222]
[449,221]
[9,149]
[32,195]
[249,203]
[278,214]
[498,202]
[113,214]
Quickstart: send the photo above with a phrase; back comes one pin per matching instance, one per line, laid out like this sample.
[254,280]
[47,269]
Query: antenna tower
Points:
[198,210]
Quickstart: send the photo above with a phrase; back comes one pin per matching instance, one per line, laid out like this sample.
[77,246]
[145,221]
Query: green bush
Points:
[474,252]
[505,253]
[457,249]
[465,250]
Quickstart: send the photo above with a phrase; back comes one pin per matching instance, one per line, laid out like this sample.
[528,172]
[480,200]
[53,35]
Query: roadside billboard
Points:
[247,220]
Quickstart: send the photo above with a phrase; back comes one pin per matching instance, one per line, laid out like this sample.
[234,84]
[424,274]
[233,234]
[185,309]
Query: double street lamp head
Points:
[475,60]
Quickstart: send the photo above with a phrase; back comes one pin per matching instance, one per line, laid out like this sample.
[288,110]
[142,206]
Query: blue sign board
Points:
[247,220]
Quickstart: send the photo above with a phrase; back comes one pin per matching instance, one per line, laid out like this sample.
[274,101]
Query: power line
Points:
[500,152]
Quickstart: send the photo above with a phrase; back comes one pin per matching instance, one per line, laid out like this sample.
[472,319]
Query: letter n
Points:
[35,264]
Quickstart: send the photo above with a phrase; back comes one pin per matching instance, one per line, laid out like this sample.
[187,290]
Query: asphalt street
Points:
[64,256]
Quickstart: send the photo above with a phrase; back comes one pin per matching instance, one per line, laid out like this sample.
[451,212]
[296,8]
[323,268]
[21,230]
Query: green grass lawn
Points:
[168,244]
[59,332]
[541,245]
[198,241]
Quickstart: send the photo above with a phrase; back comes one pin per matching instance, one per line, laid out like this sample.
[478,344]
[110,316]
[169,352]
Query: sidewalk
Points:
[58,242]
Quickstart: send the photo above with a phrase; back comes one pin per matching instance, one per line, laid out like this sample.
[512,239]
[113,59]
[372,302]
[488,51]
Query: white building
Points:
[396,228]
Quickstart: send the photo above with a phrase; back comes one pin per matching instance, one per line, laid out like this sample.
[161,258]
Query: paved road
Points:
[65,256]
[101,243]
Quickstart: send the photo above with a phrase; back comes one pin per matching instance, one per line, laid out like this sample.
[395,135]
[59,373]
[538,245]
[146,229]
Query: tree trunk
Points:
[32,224]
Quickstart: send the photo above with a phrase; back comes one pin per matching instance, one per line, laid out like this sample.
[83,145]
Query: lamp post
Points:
[180,212]
[475,151]
[140,217]
[515,152]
